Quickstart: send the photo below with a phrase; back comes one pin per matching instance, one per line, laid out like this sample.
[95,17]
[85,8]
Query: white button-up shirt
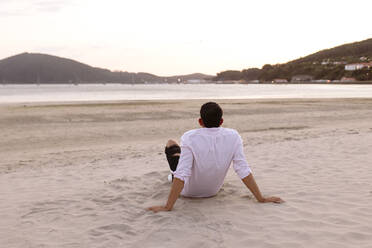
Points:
[206,155]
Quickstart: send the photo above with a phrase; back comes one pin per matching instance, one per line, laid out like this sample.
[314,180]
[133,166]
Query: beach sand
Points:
[82,175]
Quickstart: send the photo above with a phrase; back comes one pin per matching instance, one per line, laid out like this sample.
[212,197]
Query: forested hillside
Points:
[327,64]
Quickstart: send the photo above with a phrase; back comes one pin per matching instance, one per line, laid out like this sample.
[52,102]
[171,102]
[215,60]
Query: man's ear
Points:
[201,123]
[221,121]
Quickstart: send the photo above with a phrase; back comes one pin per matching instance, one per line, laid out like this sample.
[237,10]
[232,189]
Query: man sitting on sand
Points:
[200,165]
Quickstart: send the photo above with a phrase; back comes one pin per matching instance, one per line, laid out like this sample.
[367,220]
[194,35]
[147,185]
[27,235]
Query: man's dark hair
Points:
[211,114]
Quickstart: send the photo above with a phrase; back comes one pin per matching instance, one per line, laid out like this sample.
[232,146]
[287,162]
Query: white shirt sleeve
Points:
[185,163]
[240,164]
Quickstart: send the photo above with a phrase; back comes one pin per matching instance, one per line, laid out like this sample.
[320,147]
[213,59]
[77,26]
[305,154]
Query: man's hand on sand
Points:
[273,199]
[156,209]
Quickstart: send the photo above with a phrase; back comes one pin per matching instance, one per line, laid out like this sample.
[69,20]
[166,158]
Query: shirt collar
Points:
[212,129]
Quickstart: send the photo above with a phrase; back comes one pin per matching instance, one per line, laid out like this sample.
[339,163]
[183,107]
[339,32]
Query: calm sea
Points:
[101,92]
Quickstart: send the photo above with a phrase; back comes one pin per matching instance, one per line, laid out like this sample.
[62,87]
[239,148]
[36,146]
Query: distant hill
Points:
[194,76]
[328,64]
[43,68]
[350,52]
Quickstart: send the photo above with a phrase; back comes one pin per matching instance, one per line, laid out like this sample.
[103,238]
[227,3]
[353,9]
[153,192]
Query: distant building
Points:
[357,66]
[363,58]
[228,82]
[322,81]
[280,80]
[339,63]
[348,79]
[254,81]
[195,81]
[328,62]
[302,78]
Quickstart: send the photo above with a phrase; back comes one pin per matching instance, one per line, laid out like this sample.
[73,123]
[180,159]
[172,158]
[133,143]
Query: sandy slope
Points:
[82,175]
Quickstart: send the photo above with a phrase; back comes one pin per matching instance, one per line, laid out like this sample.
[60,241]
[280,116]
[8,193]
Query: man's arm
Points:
[180,175]
[175,192]
[252,186]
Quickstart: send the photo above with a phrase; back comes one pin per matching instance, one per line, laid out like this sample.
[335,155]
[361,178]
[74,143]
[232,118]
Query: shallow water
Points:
[113,92]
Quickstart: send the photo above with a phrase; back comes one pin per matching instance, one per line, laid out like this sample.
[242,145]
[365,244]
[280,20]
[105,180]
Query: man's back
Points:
[206,155]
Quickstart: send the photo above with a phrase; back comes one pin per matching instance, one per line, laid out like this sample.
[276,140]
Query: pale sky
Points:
[172,37]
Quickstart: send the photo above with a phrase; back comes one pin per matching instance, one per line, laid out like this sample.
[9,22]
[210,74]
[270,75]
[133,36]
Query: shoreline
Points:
[205,83]
[91,103]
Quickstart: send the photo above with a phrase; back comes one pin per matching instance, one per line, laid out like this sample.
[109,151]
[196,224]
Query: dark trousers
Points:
[173,159]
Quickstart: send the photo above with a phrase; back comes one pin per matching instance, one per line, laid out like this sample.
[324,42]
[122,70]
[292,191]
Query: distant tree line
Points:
[327,64]
[287,71]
